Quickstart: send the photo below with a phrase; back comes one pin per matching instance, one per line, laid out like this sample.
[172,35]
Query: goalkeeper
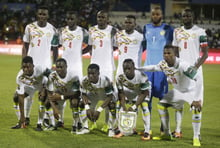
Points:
[181,76]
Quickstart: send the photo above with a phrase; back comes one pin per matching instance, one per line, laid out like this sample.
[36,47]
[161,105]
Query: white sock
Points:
[196,123]
[178,117]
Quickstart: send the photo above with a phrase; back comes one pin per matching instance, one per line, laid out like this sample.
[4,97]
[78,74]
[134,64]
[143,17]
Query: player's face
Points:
[102,19]
[93,75]
[61,69]
[71,20]
[28,69]
[42,16]
[128,69]
[187,18]
[156,16]
[169,56]
[129,24]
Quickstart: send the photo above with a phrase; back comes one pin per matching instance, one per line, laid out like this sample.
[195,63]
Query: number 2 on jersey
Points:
[38,43]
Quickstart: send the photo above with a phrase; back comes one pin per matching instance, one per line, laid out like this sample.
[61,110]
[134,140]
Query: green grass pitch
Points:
[29,138]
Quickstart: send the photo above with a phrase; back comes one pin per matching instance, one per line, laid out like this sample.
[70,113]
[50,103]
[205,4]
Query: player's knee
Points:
[47,105]
[74,103]
[112,105]
[15,97]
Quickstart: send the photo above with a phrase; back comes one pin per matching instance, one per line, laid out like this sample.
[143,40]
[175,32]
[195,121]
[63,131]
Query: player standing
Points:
[129,42]
[192,40]
[156,35]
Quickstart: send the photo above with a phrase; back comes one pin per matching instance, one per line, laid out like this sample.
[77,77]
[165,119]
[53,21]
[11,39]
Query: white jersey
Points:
[39,39]
[184,87]
[102,49]
[65,86]
[30,84]
[98,91]
[129,46]
[190,41]
[72,42]
[132,88]
[175,74]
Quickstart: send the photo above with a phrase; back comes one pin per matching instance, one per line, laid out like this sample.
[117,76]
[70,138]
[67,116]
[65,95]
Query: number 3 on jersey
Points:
[185,45]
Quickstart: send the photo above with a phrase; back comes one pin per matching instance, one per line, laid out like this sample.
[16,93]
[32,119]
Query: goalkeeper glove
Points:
[191,72]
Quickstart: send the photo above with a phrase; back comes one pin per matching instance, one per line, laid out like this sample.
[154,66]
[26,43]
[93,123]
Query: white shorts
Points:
[177,99]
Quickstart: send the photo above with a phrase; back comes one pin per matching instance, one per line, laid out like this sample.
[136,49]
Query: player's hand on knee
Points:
[89,114]
[197,106]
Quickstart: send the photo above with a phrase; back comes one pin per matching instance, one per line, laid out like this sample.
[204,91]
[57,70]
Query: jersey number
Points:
[101,43]
[174,81]
[38,43]
[185,45]
[70,44]
[125,49]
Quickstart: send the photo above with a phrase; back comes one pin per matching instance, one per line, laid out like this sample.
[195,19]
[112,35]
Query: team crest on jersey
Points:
[162,32]
[193,35]
[48,34]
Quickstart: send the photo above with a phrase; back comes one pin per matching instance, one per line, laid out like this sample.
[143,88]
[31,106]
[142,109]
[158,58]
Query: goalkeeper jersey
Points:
[156,38]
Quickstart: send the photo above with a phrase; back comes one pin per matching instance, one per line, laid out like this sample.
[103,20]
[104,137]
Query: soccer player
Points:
[96,87]
[134,88]
[63,85]
[129,42]
[192,40]
[100,45]
[156,36]
[184,85]
[72,38]
[29,79]
[40,38]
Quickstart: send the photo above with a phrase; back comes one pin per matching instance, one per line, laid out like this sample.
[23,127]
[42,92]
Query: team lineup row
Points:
[132,86]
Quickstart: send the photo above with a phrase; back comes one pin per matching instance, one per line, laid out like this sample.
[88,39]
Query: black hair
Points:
[103,11]
[128,61]
[93,66]
[188,10]
[27,59]
[44,7]
[174,48]
[61,60]
[131,16]
[71,13]
[157,8]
